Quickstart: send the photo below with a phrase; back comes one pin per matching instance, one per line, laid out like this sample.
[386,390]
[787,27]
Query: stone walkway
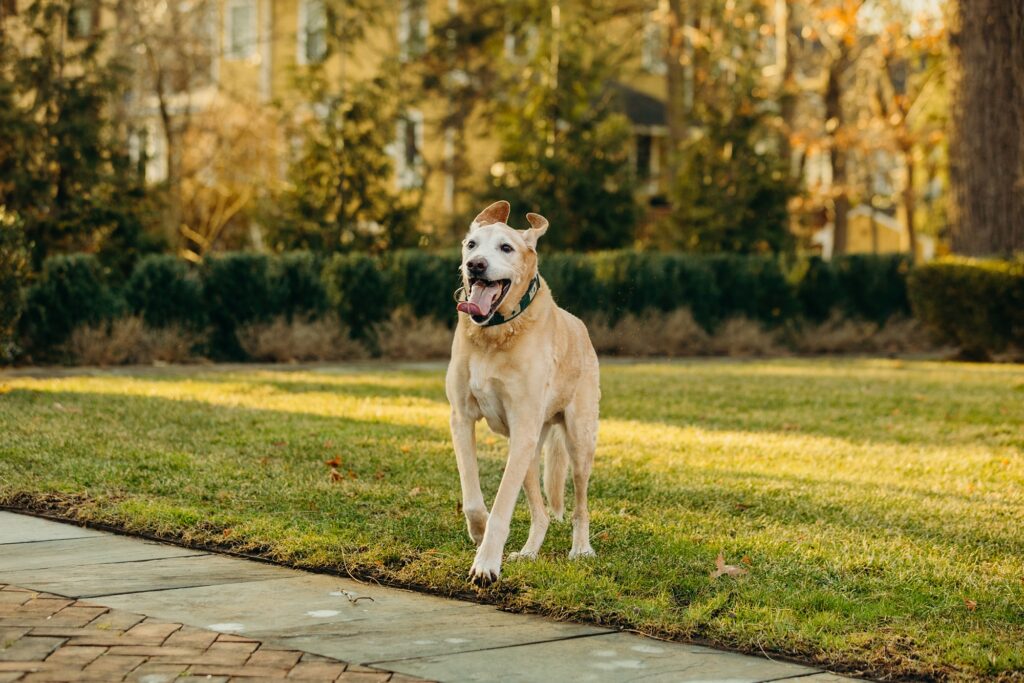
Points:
[81,604]
[45,637]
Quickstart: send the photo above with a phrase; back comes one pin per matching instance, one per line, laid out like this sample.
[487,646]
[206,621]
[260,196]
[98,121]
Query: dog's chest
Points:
[488,390]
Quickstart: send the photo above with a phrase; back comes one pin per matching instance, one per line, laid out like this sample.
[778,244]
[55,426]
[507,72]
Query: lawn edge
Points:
[43,505]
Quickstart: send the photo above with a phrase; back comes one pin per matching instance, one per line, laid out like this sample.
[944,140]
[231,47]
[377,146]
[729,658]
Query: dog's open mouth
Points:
[483,298]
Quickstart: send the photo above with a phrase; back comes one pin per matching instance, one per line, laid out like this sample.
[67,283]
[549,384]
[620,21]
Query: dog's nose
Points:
[476,266]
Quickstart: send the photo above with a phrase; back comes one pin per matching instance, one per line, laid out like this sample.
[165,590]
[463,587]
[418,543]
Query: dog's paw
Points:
[523,555]
[483,573]
[576,554]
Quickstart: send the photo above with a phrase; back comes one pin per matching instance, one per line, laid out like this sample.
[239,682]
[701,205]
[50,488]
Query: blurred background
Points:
[156,153]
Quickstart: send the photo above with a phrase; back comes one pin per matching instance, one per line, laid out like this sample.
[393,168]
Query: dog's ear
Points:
[495,213]
[538,226]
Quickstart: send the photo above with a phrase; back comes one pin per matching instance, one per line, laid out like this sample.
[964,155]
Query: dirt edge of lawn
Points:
[74,509]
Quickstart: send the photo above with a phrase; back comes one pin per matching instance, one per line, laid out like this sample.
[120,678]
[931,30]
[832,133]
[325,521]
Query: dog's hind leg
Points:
[538,515]
[556,466]
[581,433]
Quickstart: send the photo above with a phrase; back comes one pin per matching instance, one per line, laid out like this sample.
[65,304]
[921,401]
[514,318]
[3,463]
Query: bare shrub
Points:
[129,340]
[902,335]
[405,336]
[838,334]
[742,337]
[281,341]
[843,335]
[650,334]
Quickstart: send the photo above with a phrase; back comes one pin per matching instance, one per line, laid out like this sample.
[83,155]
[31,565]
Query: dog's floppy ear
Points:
[495,213]
[538,226]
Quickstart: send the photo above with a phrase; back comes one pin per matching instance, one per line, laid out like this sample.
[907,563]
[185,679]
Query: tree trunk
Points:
[987,141]
[675,75]
[910,200]
[837,155]
[787,81]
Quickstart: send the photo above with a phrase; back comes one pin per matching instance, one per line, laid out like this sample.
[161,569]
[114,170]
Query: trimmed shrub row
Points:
[231,291]
[977,305]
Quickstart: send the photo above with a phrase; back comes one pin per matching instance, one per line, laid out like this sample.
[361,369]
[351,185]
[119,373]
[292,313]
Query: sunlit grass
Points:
[876,504]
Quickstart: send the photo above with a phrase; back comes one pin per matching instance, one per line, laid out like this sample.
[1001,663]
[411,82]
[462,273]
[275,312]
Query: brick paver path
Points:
[46,637]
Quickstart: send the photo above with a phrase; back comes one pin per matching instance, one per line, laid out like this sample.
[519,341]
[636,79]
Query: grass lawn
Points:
[877,504]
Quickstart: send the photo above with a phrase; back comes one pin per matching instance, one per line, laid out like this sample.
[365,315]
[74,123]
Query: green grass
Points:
[878,503]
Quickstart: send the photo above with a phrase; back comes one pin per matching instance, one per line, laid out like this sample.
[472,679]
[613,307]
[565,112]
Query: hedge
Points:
[977,305]
[232,290]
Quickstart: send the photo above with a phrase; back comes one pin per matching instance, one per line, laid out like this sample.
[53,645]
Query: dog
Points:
[529,369]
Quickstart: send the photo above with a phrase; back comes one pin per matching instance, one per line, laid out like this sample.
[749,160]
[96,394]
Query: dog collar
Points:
[498,318]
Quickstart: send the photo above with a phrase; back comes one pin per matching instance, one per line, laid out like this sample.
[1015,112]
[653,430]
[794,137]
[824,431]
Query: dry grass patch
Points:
[743,338]
[407,337]
[649,334]
[130,340]
[283,341]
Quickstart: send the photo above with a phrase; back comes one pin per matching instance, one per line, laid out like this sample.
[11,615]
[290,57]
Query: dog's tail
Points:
[556,466]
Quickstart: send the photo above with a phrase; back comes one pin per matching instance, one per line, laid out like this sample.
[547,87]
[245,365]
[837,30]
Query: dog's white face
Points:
[497,261]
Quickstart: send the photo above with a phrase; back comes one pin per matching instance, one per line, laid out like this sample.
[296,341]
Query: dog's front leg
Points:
[464,440]
[523,441]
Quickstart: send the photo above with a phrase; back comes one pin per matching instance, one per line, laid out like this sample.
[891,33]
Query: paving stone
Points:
[363,677]
[187,636]
[16,528]
[76,654]
[155,673]
[242,671]
[83,551]
[158,574]
[114,665]
[151,629]
[606,658]
[28,648]
[274,658]
[8,676]
[305,671]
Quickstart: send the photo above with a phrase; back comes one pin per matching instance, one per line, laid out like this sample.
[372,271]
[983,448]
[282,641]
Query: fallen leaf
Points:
[741,506]
[378,475]
[405,449]
[723,569]
[279,444]
[603,536]
[971,605]
[227,532]
[746,560]
[415,491]
[333,462]
[352,475]
[336,475]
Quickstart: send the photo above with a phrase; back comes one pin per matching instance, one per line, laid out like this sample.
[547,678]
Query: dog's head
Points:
[498,262]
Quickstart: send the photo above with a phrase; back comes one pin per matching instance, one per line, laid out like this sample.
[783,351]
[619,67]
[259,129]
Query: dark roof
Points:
[641,108]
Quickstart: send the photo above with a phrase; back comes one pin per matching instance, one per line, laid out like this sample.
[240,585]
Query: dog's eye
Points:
[507,248]
[471,245]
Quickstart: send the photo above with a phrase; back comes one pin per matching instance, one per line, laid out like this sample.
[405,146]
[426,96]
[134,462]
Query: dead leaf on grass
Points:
[336,475]
[415,491]
[971,605]
[405,449]
[333,462]
[278,444]
[378,475]
[723,569]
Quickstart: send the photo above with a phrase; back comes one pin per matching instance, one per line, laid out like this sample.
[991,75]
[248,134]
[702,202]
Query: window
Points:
[652,49]
[412,29]
[8,8]
[312,31]
[643,156]
[406,151]
[240,29]
[147,150]
[83,19]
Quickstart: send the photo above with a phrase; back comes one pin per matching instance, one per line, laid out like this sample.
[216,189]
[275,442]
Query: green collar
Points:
[531,294]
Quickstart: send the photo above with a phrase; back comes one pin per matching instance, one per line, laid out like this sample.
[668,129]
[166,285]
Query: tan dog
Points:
[528,368]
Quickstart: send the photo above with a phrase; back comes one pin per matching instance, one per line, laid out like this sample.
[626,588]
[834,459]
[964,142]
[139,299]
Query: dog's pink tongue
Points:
[481,297]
